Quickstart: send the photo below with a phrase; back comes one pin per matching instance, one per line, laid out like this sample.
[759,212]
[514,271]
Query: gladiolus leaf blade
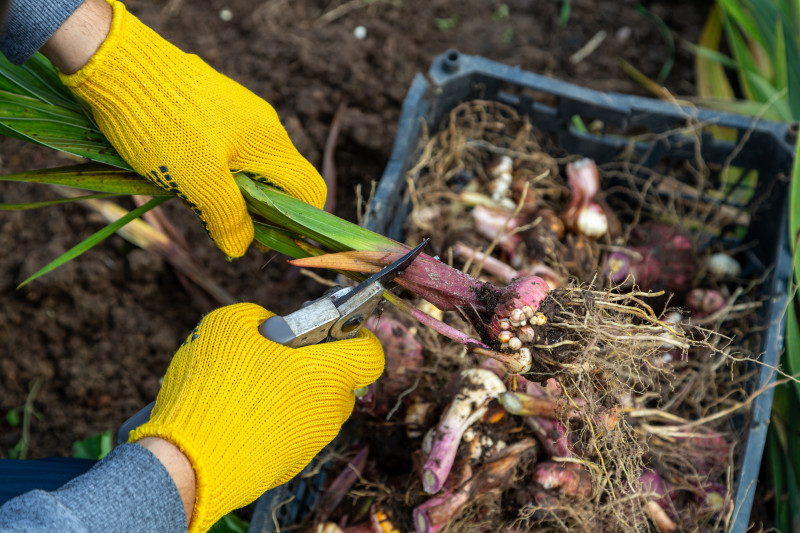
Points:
[48,203]
[96,238]
[93,177]
[298,217]
[56,127]
[38,79]
[284,242]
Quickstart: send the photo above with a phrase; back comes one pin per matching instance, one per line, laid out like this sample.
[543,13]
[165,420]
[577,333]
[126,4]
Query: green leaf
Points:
[12,417]
[779,63]
[93,177]
[19,451]
[709,64]
[36,78]
[745,21]
[299,218]
[742,55]
[446,24]
[564,13]
[769,94]
[740,107]
[792,68]
[96,238]
[94,447]
[56,127]
[284,242]
[48,203]
[230,523]
[776,463]
[712,55]
[791,356]
[577,123]
[794,213]
[792,351]
[783,441]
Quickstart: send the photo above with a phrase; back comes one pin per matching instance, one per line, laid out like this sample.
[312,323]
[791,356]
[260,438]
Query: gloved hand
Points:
[185,127]
[249,413]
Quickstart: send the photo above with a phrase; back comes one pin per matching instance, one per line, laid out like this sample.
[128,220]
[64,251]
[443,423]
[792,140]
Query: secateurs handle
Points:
[338,315]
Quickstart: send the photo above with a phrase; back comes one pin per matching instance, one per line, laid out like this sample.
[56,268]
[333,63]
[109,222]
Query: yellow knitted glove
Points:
[249,413]
[185,127]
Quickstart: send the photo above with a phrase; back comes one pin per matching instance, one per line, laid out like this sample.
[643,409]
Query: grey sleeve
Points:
[30,23]
[127,492]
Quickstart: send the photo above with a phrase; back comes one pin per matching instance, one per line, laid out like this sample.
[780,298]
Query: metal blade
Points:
[385,274]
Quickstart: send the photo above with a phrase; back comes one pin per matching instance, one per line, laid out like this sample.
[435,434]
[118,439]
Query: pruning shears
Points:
[339,314]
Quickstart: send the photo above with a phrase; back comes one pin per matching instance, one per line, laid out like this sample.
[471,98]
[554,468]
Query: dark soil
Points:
[100,331]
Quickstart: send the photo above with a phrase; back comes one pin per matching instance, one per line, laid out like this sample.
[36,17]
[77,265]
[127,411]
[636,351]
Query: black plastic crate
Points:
[765,147]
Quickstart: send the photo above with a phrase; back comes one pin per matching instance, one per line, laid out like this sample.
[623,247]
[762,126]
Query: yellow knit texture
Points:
[185,127]
[249,413]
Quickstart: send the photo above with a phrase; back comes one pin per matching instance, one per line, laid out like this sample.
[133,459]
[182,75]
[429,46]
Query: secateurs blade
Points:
[337,315]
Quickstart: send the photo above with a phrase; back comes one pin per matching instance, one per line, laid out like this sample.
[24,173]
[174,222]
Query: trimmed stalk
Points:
[497,473]
[552,434]
[570,479]
[521,404]
[477,387]
[503,271]
[442,285]
[584,215]
[403,356]
[656,493]
[515,306]
[340,486]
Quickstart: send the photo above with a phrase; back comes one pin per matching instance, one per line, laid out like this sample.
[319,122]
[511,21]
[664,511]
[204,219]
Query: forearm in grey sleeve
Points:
[127,492]
[30,23]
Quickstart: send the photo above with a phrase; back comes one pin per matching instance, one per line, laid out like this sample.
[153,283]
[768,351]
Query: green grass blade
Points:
[93,177]
[735,11]
[792,67]
[769,94]
[779,63]
[48,203]
[791,358]
[778,471]
[744,59]
[794,212]
[295,216]
[740,107]
[765,13]
[792,352]
[712,55]
[98,237]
